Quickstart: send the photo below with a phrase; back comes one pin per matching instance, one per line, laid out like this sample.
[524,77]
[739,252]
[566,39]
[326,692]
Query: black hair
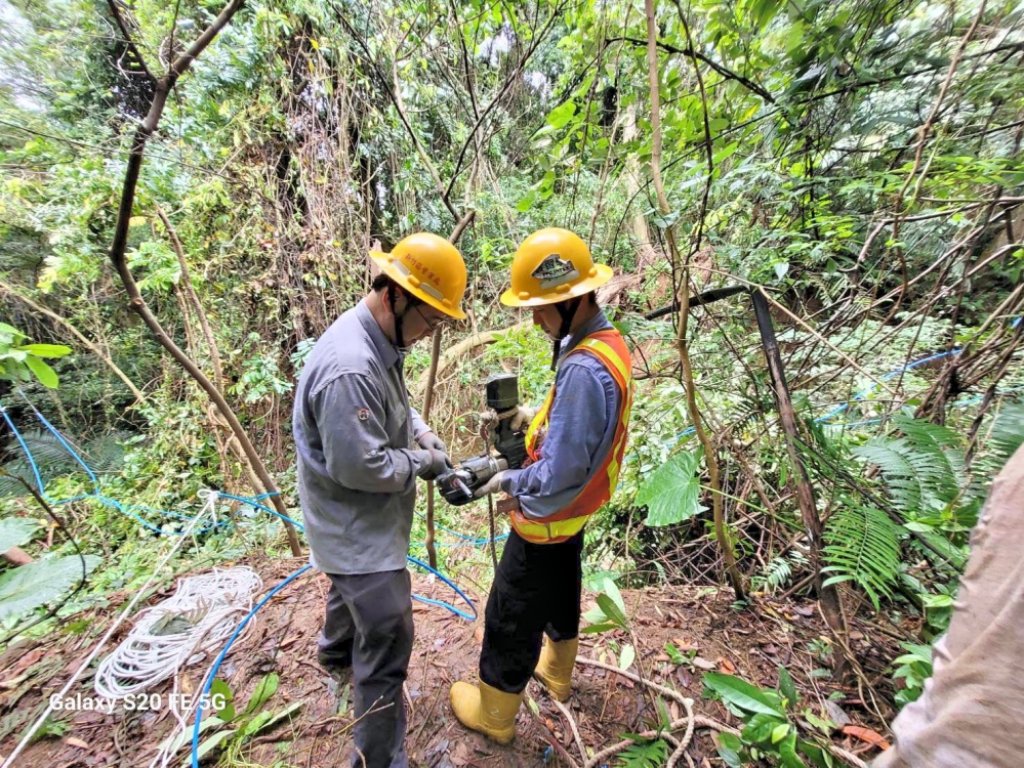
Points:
[382,282]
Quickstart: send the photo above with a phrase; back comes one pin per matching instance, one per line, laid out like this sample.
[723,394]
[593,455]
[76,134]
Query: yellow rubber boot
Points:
[486,709]
[555,666]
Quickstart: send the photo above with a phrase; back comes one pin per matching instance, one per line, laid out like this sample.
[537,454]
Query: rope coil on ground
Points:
[181,630]
[211,500]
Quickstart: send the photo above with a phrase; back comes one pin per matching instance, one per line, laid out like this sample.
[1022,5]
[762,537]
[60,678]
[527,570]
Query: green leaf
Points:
[46,375]
[742,694]
[220,688]
[9,335]
[762,11]
[527,201]
[725,152]
[602,627]
[561,115]
[265,688]
[616,596]
[256,724]
[787,753]
[612,611]
[729,748]
[27,587]
[627,656]
[787,688]
[210,745]
[779,732]
[273,719]
[818,756]
[862,545]
[672,491]
[180,738]
[46,350]
[15,531]
[760,727]
[674,654]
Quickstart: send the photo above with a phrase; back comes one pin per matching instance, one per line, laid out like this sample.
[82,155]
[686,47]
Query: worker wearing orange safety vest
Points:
[575,445]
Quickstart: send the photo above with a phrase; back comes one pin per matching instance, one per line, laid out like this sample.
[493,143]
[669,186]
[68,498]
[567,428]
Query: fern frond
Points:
[862,545]
[644,754]
[1007,433]
[104,454]
[779,571]
[923,468]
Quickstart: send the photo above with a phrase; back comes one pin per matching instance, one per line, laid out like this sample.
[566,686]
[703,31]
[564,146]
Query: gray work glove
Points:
[430,440]
[491,486]
[433,463]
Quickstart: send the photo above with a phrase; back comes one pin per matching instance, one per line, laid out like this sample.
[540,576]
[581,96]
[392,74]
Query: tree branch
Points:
[190,291]
[396,100]
[92,347]
[127,39]
[509,81]
[138,303]
[724,71]
[183,62]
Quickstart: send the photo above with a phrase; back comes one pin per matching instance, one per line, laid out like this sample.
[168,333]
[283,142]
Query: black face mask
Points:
[566,311]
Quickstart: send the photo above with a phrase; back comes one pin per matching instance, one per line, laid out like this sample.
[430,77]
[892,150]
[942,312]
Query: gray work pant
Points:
[369,625]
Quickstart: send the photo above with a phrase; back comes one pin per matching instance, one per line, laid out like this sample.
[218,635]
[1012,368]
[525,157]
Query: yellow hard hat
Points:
[430,268]
[552,265]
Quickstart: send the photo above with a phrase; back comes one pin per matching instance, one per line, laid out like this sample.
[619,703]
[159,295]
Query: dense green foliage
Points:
[861,161]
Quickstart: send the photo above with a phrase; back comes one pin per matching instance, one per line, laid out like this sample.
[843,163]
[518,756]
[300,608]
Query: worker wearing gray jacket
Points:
[360,447]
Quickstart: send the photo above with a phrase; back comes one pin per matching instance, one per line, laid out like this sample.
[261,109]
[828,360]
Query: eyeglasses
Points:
[433,322]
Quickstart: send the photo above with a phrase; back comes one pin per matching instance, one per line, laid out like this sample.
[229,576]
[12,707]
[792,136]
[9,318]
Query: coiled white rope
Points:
[208,508]
[196,619]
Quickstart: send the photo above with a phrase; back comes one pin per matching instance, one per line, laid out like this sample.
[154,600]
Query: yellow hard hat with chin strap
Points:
[428,267]
[554,266]
[550,266]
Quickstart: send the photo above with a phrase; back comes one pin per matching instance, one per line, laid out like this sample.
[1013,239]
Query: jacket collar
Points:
[387,352]
[597,323]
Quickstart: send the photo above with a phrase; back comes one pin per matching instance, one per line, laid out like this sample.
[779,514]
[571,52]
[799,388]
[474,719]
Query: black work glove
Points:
[433,463]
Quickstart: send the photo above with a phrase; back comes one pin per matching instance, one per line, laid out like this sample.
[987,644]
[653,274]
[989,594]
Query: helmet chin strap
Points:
[566,311]
[392,298]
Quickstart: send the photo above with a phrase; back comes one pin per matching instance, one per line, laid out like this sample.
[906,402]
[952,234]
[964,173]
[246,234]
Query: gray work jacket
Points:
[353,428]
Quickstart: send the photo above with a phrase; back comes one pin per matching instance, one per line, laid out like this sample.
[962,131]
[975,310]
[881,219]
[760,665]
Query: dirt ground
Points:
[700,621]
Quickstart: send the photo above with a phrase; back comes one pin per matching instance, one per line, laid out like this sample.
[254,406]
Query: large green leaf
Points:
[26,588]
[46,350]
[46,375]
[15,531]
[743,695]
[562,114]
[671,494]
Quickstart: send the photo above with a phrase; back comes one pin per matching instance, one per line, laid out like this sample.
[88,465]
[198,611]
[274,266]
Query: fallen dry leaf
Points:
[724,665]
[72,741]
[866,735]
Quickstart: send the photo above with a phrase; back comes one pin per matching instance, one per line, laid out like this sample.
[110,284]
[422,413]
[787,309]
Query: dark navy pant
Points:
[369,627]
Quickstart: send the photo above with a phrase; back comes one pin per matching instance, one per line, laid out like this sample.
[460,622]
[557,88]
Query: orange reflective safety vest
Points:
[608,347]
